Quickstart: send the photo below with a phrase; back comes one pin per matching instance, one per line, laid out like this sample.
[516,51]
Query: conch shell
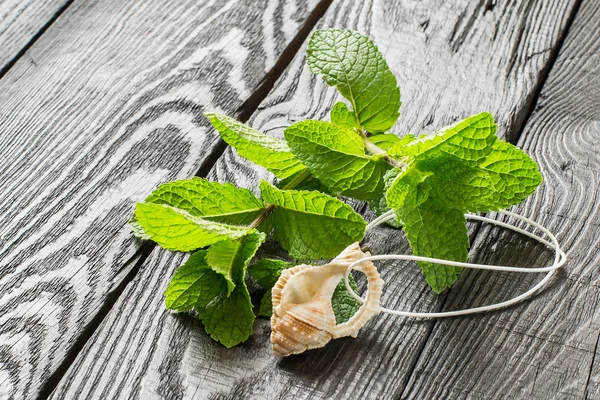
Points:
[303,317]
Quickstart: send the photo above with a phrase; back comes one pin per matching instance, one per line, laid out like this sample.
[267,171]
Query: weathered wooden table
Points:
[100,101]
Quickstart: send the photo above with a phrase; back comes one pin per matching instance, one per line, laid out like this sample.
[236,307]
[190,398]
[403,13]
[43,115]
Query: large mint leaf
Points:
[312,225]
[230,257]
[436,231]
[177,230]
[469,140]
[466,167]
[513,176]
[336,156]
[353,64]
[229,318]
[271,153]
[193,283]
[341,115]
[215,201]
[503,178]
[506,176]
[410,186]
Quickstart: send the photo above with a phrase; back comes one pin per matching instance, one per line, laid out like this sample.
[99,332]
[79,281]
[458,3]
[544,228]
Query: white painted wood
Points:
[20,22]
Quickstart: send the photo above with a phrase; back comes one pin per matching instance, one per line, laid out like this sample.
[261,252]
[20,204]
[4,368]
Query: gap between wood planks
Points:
[587,382]
[34,38]
[132,266]
[512,137]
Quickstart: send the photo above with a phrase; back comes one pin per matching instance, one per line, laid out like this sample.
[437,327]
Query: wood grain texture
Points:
[452,59]
[547,347]
[20,23]
[103,108]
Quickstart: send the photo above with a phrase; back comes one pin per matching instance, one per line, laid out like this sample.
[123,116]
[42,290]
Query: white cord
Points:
[559,260]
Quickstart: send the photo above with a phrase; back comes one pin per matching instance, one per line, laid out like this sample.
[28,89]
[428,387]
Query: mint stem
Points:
[270,207]
[375,150]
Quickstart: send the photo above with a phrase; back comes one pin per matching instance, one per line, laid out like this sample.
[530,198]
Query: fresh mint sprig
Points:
[430,181]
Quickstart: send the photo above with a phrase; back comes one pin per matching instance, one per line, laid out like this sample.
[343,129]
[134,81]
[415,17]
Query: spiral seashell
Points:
[303,317]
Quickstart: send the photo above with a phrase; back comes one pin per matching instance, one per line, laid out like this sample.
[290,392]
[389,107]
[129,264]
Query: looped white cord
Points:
[559,259]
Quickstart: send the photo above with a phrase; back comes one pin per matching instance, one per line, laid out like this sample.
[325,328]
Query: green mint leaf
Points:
[467,168]
[229,318]
[266,305]
[309,183]
[352,63]
[341,115]
[271,153]
[194,282]
[387,141]
[464,168]
[266,226]
[343,304]
[409,186]
[229,258]
[267,271]
[312,225]
[336,156]
[136,229]
[513,176]
[469,140]
[177,230]
[506,176]
[220,202]
[455,183]
[436,231]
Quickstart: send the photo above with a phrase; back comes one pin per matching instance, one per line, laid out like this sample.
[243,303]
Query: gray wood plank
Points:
[105,106]
[452,59]
[546,347]
[21,22]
